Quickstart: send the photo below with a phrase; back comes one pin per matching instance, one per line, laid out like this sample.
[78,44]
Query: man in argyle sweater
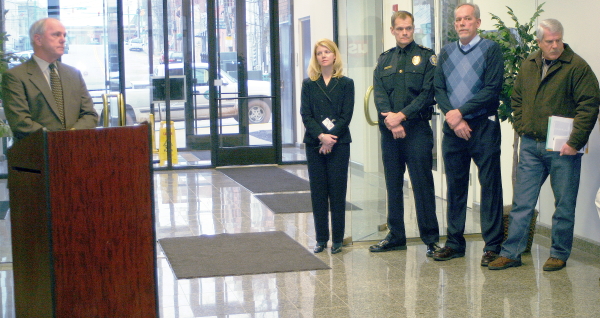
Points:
[467,83]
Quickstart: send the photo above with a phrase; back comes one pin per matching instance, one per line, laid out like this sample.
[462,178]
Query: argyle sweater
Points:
[470,80]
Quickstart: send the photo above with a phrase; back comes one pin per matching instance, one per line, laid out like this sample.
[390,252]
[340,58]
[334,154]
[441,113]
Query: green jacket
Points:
[570,89]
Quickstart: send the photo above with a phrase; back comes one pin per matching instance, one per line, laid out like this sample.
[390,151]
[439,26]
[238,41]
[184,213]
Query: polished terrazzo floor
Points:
[360,283]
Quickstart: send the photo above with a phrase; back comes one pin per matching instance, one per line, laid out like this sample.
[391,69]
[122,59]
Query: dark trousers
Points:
[415,153]
[484,148]
[328,176]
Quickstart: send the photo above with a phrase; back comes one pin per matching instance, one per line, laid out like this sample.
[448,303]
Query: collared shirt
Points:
[546,65]
[471,44]
[44,67]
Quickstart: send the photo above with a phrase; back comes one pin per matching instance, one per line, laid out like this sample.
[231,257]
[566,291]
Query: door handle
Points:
[367,116]
[106,109]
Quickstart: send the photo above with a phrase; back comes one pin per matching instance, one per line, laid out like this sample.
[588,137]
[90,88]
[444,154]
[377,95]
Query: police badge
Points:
[416,60]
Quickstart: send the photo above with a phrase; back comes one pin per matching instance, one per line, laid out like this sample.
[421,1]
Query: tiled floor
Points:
[360,284]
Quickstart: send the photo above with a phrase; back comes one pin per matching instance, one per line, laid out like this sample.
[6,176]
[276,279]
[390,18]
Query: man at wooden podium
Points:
[44,92]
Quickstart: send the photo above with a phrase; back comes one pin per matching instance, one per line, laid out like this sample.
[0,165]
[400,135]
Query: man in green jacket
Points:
[553,81]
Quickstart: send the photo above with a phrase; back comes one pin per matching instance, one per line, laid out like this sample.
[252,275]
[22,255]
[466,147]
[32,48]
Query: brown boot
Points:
[503,263]
[554,264]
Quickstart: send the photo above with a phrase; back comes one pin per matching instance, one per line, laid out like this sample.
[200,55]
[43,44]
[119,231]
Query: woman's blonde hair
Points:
[314,69]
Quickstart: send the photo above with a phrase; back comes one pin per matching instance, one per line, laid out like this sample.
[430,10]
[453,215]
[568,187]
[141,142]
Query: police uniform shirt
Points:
[400,77]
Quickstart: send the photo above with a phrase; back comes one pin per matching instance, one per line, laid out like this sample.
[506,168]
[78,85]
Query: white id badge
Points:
[328,123]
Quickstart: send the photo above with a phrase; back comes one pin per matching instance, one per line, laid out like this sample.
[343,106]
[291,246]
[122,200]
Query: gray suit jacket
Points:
[29,104]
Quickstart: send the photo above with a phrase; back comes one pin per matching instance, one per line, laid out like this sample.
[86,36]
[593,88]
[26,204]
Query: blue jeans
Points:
[535,164]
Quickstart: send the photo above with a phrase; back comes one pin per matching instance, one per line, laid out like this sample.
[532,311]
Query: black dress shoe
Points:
[387,244]
[432,248]
[488,257]
[336,248]
[447,253]
[319,248]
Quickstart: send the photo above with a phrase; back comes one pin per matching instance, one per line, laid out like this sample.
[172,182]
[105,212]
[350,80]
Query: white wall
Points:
[523,9]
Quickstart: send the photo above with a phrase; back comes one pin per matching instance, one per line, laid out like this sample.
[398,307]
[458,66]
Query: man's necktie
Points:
[401,60]
[57,92]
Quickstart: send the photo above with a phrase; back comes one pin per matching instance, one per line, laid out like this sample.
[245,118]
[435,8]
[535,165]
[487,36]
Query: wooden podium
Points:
[82,222]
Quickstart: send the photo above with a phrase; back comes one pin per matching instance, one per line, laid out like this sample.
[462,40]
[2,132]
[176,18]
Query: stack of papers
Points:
[559,131]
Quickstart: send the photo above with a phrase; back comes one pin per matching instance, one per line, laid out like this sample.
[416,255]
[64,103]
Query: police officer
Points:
[404,97]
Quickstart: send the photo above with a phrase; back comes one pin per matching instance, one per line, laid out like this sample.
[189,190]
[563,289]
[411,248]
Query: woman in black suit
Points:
[327,106]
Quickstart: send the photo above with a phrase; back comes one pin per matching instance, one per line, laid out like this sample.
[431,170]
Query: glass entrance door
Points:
[217,58]
[233,74]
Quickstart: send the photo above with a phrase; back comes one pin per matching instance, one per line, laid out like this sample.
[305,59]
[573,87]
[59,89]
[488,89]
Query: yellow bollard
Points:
[153,134]
[162,151]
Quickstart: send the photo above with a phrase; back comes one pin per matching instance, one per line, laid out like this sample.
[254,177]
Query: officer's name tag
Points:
[328,123]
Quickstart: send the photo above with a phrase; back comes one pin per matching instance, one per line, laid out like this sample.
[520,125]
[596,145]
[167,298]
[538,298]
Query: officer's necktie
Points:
[401,59]
[57,92]
[399,91]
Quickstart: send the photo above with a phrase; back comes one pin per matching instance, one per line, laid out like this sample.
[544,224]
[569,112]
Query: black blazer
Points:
[334,101]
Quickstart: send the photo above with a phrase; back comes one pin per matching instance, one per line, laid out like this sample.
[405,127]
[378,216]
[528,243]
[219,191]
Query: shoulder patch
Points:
[425,48]
[433,60]
[386,52]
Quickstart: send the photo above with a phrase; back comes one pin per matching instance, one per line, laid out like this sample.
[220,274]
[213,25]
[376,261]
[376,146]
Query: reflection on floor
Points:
[360,283]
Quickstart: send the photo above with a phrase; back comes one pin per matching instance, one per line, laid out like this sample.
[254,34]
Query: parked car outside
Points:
[136,44]
[259,105]
[174,57]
